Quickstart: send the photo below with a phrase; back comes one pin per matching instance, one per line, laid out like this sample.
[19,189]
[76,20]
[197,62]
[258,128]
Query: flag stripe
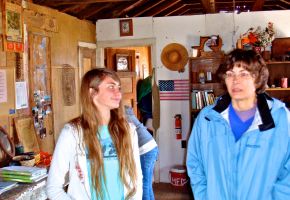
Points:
[174,90]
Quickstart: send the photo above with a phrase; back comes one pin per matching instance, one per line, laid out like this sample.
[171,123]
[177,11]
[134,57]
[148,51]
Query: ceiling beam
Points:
[131,7]
[175,10]
[72,8]
[91,11]
[286,2]
[143,10]
[69,2]
[115,11]
[158,9]
[208,5]
[258,5]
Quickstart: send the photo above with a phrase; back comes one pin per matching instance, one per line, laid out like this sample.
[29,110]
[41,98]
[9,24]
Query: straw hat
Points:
[174,56]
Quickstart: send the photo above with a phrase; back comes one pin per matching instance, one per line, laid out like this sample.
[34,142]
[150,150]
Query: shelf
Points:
[278,89]
[277,62]
[204,85]
[195,110]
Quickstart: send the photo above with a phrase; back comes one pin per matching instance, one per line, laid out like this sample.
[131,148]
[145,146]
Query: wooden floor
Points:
[165,191]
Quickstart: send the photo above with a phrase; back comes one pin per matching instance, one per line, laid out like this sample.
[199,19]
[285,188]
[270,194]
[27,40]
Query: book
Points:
[23,170]
[7,185]
[24,179]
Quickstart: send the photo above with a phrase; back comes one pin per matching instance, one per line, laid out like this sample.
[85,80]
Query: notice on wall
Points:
[3,86]
[21,95]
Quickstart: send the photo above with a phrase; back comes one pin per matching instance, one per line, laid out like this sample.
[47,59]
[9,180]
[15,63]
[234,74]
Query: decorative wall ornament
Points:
[174,56]
[126,27]
[123,62]
[68,85]
[40,20]
[19,67]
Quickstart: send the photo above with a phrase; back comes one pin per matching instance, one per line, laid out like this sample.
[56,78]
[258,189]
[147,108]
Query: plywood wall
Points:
[64,37]
[64,50]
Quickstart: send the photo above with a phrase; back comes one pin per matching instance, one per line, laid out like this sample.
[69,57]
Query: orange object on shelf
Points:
[43,159]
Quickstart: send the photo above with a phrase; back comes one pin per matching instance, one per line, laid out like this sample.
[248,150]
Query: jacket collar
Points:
[265,113]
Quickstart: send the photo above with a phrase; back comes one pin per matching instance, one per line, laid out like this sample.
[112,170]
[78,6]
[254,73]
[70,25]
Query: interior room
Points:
[176,46]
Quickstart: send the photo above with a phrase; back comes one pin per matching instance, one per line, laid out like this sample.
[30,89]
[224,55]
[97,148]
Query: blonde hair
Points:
[90,120]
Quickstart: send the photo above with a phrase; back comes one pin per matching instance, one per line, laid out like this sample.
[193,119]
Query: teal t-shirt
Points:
[113,189]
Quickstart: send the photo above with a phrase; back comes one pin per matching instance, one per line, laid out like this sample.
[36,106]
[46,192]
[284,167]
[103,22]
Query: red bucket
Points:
[178,177]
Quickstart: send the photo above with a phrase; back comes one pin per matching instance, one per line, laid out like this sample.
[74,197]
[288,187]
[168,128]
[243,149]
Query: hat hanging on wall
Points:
[174,57]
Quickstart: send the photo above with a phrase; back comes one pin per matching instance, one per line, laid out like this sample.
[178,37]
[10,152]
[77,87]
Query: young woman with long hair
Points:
[99,149]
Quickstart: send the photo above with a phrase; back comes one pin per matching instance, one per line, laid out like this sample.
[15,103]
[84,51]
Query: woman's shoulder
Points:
[71,131]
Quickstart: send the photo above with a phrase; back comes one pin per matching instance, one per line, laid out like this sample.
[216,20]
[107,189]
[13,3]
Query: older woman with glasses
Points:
[239,147]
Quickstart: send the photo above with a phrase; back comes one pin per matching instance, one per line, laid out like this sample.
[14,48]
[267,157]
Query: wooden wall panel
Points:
[64,50]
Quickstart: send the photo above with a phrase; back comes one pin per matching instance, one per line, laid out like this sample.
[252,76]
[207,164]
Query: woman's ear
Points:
[92,91]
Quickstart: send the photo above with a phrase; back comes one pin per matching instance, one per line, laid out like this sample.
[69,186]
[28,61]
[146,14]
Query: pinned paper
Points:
[3,86]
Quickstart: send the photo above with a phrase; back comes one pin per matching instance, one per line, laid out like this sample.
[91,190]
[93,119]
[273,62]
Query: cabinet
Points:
[204,82]
[278,70]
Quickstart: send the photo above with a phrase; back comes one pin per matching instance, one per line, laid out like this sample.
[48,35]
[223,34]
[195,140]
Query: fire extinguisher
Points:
[178,127]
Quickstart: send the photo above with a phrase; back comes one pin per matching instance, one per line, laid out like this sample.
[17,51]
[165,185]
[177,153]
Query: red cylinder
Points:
[178,177]
[177,121]
[178,130]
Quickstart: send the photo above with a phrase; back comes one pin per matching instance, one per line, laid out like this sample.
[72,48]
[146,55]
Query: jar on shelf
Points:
[201,77]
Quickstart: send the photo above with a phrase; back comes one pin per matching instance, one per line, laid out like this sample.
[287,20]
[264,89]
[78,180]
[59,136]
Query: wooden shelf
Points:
[277,62]
[195,110]
[278,89]
[206,85]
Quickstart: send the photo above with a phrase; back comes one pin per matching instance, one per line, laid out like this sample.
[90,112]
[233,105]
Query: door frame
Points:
[100,61]
[80,64]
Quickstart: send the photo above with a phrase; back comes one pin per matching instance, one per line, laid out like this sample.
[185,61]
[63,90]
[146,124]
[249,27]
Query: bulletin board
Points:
[40,90]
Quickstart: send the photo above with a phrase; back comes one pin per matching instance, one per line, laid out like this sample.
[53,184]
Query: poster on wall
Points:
[3,86]
[13,27]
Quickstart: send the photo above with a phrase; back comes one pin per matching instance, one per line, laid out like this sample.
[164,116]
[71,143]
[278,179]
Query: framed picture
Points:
[12,25]
[123,62]
[126,27]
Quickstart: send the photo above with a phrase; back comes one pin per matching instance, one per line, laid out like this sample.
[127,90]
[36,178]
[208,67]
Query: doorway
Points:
[142,69]
[133,64]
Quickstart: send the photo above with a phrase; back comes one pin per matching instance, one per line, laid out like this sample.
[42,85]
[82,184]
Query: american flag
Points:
[174,90]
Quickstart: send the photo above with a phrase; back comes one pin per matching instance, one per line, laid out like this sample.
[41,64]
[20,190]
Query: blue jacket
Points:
[256,167]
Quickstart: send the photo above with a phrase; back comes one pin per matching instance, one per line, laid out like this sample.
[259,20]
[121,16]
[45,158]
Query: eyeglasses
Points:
[242,75]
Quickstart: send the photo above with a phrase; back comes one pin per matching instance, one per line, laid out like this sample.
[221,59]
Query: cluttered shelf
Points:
[277,62]
[278,89]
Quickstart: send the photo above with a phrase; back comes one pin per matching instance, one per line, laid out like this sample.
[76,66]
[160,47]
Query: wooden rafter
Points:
[131,7]
[87,13]
[208,5]
[156,10]
[73,8]
[69,2]
[286,2]
[143,10]
[107,9]
[174,11]
[258,5]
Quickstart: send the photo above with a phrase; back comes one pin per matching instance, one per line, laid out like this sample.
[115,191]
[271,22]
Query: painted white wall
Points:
[108,29]
[185,30]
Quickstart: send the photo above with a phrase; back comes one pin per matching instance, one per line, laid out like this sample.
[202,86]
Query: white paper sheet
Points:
[21,95]
[3,86]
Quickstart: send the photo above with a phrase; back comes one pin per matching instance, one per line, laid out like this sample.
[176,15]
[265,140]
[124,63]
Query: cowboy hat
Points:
[174,56]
